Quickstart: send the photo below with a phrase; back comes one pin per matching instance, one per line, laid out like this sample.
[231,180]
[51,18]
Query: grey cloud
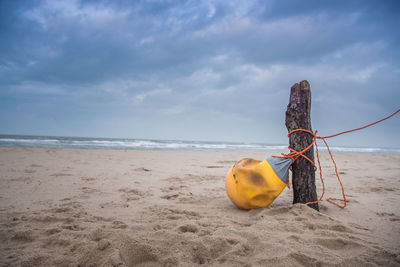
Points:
[222,63]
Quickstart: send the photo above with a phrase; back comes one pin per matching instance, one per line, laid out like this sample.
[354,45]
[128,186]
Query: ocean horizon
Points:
[35,141]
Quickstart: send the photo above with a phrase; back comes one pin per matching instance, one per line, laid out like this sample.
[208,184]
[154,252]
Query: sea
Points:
[149,144]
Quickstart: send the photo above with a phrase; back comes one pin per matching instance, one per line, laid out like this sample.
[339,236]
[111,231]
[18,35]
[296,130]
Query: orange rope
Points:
[293,155]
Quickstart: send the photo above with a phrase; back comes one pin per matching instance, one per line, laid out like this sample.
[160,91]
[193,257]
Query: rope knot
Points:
[294,155]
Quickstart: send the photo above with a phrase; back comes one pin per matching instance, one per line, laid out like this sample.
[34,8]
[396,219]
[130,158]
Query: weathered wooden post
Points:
[298,117]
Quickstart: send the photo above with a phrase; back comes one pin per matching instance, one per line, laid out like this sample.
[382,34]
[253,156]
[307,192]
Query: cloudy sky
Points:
[198,70]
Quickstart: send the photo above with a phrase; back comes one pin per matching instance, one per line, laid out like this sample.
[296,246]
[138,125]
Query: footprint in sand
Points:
[52,231]
[119,225]
[173,188]
[303,259]
[130,194]
[88,179]
[58,241]
[103,244]
[338,244]
[172,192]
[99,234]
[29,171]
[23,236]
[174,180]
[184,197]
[188,228]
[72,227]
[88,190]
[134,253]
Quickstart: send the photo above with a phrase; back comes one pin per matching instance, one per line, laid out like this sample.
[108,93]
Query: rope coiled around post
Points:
[294,155]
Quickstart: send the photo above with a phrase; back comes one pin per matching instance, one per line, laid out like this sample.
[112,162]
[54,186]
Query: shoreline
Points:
[169,145]
[149,207]
[268,153]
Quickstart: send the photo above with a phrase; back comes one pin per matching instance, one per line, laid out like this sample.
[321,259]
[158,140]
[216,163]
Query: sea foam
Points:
[143,144]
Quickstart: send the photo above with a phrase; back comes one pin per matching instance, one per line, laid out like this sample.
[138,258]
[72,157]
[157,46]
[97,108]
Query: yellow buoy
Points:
[252,184]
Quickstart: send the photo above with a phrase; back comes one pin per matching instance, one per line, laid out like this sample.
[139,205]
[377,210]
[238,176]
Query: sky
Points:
[198,70]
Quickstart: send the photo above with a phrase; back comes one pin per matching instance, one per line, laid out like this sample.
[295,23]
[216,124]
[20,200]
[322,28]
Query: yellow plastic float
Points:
[252,184]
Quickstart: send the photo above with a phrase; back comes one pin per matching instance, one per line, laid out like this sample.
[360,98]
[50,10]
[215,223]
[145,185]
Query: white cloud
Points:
[147,40]
[204,76]
[139,98]
[31,87]
[48,11]
[174,110]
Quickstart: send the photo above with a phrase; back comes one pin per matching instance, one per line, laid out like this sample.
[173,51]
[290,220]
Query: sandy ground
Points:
[62,207]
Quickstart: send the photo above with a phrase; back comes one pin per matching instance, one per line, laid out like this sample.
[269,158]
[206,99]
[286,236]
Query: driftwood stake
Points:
[298,116]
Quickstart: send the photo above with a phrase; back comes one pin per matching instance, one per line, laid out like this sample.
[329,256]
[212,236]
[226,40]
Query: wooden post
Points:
[298,116]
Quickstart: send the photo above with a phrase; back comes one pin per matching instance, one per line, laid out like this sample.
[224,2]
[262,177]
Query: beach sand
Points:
[61,207]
